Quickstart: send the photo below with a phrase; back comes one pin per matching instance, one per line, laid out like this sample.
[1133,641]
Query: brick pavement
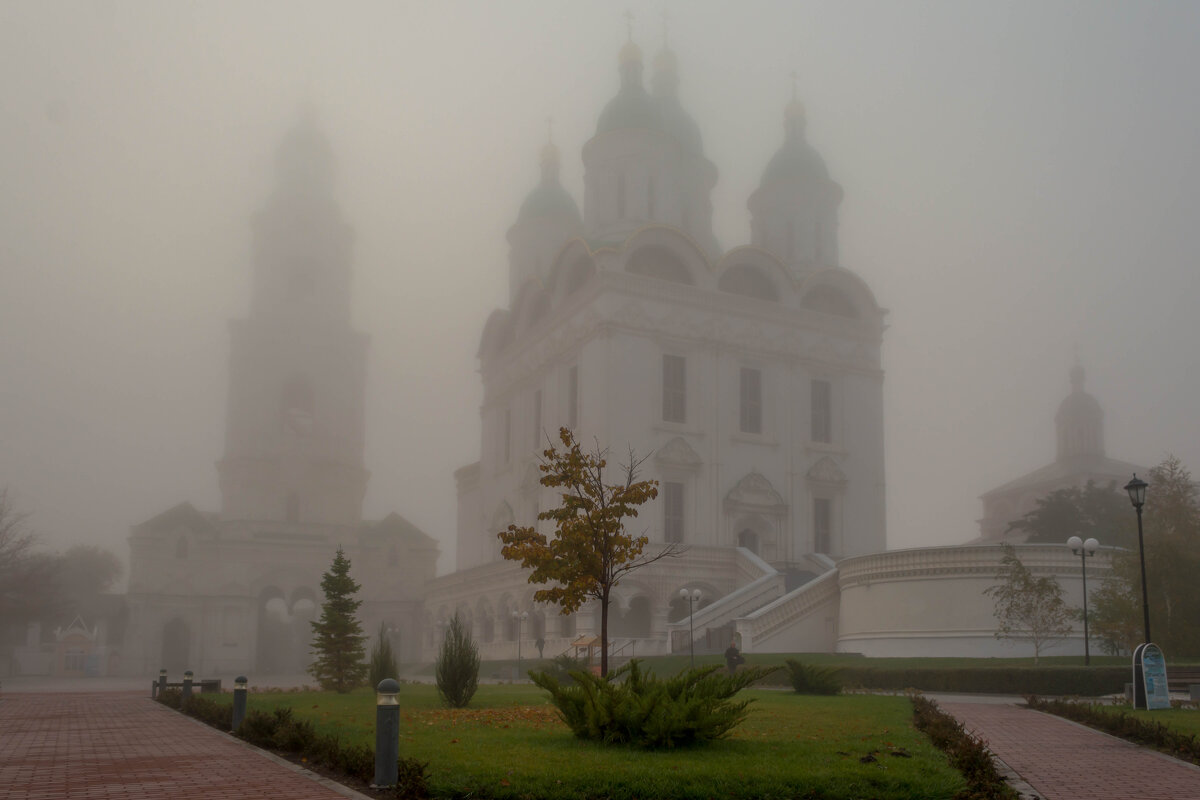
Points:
[1065,761]
[114,745]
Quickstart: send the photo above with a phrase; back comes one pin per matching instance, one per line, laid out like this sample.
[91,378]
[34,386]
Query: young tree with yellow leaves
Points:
[590,551]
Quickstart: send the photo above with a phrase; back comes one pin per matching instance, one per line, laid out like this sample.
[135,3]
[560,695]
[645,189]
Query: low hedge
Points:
[1075,681]
[968,754]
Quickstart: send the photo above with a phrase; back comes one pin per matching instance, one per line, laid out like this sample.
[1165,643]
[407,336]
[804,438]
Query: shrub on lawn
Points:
[210,712]
[635,707]
[811,679]
[170,697]
[563,665]
[457,667]
[967,754]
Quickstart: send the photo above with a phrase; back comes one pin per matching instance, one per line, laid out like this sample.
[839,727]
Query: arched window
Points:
[658,262]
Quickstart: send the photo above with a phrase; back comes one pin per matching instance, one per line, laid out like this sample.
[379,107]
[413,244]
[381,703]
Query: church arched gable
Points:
[840,292]
[753,272]
[667,254]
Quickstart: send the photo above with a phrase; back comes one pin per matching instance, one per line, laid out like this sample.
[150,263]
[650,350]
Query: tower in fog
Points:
[234,590]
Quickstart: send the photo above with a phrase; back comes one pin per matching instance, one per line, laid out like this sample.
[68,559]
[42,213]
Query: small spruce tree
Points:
[457,665]
[338,640]
[383,660]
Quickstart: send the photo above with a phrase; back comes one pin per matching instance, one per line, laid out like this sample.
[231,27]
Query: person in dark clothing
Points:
[732,657]
[541,645]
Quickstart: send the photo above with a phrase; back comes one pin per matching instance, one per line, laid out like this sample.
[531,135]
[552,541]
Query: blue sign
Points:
[1154,676]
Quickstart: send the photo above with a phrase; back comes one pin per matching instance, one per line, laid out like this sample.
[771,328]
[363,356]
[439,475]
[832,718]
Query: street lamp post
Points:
[1137,496]
[1084,550]
[519,617]
[692,597]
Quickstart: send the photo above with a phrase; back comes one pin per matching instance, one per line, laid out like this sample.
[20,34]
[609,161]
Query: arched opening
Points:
[829,300]
[749,540]
[679,608]
[636,621]
[176,646]
[749,281]
[655,261]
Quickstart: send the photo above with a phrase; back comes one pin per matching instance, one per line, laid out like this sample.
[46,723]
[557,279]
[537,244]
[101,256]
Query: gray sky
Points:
[1021,180]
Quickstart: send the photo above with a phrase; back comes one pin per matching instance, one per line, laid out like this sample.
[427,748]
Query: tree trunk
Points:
[604,634]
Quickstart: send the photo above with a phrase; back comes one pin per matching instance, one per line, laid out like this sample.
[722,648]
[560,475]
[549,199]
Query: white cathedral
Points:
[751,376]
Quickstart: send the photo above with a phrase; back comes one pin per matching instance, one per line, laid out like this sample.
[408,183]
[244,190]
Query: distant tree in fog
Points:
[23,571]
[1172,541]
[1091,511]
[1028,608]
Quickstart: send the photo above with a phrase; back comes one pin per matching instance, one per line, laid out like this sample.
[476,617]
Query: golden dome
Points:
[665,61]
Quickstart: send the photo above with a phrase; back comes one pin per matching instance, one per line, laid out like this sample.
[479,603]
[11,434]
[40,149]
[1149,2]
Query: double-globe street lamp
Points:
[1137,496]
[1084,550]
[519,617]
[693,597]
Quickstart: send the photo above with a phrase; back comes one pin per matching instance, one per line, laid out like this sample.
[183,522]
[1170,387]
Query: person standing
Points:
[732,657]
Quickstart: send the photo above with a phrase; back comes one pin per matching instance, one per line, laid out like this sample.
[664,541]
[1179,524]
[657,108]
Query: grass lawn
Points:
[510,743]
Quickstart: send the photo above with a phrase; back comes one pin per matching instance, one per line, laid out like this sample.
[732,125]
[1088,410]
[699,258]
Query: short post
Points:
[162,681]
[239,701]
[387,733]
[186,693]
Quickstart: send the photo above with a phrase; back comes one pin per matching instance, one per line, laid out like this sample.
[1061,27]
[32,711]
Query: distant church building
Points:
[1080,458]
[751,376]
[233,591]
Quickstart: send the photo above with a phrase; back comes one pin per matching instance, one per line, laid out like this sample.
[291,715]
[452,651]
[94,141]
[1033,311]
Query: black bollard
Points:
[186,693]
[162,681]
[387,733]
[239,701]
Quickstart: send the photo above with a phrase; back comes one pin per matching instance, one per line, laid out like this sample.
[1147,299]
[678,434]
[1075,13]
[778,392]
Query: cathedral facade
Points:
[234,590]
[750,377]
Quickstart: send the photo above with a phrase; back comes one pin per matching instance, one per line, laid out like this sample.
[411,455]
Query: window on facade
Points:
[751,400]
[507,450]
[749,540]
[674,389]
[537,420]
[822,524]
[573,398]
[673,511]
[822,411]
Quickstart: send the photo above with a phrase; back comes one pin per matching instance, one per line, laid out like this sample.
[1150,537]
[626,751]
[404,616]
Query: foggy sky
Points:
[1021,183]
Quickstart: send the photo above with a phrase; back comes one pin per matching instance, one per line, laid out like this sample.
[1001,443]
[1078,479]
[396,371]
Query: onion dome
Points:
[549,198]
[796,160]
[675,121]
[1080,421]
[632,107]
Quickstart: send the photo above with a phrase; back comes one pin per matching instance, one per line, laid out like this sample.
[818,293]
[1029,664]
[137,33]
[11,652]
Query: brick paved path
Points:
[120,745]
[1065,761]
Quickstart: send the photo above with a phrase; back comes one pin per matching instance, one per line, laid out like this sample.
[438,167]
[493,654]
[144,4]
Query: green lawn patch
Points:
[510,744]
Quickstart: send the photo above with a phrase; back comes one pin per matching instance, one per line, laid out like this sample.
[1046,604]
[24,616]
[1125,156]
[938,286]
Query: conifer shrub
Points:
[633,707]
[457,669]
[383,659]
[811,679]
[968,754]
[210,712]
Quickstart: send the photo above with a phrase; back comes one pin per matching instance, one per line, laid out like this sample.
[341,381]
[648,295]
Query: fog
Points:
[1022,183]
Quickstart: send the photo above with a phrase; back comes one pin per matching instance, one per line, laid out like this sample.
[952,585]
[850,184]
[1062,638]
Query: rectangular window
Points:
[537,420]
[573,398]
[674,389]
[672,511]
[507,436]
[822,411]
[751,400]
[822,524]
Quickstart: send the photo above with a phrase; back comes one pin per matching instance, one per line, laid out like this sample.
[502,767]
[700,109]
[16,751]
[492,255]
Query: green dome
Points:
[678,123]
[547,200]
[631,108]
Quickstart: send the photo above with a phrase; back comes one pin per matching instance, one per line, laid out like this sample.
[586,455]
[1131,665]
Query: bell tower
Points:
[294,429]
